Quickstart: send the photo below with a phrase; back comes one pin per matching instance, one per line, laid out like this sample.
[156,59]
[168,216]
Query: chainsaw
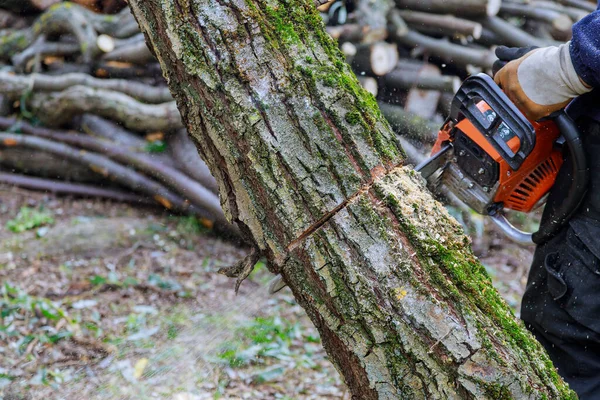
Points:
[493,159]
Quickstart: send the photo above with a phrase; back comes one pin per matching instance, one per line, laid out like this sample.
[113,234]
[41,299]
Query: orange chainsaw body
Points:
[521,189]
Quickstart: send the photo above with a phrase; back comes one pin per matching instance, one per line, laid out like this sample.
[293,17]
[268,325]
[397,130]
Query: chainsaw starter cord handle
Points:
[579,183]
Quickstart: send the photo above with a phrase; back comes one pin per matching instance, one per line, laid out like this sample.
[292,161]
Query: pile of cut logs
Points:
[84,109]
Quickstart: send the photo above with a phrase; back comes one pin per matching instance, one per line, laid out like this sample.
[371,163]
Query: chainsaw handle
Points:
[577,191]
[513,233]
[579,182]
[506,117]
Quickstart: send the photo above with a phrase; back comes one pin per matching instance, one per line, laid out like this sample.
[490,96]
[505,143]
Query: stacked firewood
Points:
[67,66]
[84,66]
[413,54]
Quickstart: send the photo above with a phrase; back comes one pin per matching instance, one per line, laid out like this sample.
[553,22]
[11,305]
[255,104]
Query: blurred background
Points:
[110,225]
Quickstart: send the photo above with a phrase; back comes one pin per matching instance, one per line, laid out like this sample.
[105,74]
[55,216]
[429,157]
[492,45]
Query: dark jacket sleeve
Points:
[585,48]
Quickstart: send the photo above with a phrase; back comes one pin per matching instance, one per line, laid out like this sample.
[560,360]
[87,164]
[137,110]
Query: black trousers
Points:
[561,304]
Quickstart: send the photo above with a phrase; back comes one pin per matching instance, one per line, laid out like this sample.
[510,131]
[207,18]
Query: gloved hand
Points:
[539,81]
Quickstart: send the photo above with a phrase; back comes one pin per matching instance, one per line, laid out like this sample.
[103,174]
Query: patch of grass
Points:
[30,325]
[266,338]
[29,218]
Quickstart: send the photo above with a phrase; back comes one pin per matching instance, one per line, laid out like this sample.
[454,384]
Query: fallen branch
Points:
[40,48]
[445,25]
[189,188]
[13,42]
[94,125]
[118,70]
[46,165]
[69,18]
[136,53]
[17,85]
[455,7]
[12,21]
[26,6]
[187,159]
[556,19]
[409,74]
[106,168]
[68,188]
[510,35]
[58,108]
[453,53]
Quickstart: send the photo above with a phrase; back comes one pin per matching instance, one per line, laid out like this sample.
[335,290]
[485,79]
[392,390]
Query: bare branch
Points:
[455,7]
[58,108]
[511,35]
[187,187]
[458,54]
[106,168]
[68,188]
[17,85]
[187,159]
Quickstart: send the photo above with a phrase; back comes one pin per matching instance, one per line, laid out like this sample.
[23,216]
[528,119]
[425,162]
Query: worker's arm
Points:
[545,80]
[585,49]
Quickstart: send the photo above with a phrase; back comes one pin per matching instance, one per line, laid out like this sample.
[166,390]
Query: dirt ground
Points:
[104,300]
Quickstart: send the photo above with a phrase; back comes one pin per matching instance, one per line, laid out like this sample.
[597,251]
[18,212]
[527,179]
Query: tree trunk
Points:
[314,176]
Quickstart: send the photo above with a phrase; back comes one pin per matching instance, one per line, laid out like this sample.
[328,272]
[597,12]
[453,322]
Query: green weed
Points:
[29,218]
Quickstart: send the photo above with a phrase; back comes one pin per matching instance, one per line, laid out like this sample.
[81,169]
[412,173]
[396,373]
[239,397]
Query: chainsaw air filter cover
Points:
[500,159]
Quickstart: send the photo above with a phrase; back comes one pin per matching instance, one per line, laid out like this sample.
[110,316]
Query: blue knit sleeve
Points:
[585,48]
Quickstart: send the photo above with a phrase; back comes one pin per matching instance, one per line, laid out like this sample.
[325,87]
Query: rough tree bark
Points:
[314,176]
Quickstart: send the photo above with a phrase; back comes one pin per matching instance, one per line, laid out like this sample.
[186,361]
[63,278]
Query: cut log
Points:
[450,52]
[410,74]
[396,25]
[510,35]
[421,102]
[27,6]
[557,20]
[588,6]
[372,16]
[471,8]
[376,59]
[574,13]
[444,25]
[370,84]
[346,33]
[313,174]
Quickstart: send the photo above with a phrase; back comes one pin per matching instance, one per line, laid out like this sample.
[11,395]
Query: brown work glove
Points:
[540,81]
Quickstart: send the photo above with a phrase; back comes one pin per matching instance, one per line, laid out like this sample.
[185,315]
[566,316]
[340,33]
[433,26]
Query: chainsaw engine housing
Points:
[498,159]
